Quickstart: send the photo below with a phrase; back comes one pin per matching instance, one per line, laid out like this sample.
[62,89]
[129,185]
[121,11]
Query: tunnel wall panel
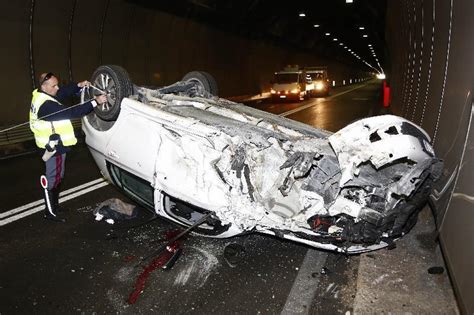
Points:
[71,38]
[443,108]
[50,37]
[15,80]
[85,39]
[116,33]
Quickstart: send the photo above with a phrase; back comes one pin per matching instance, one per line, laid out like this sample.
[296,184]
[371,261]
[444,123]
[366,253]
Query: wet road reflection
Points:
[341,107]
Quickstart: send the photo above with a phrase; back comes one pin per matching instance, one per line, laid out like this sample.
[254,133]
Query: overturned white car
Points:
[184,152]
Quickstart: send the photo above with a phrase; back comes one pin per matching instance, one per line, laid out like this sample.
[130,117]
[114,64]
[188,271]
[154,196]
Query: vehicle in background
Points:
[289,84]
[319,82]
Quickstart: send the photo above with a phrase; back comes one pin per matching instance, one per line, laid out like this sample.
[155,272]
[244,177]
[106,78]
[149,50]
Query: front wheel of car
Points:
[114,82]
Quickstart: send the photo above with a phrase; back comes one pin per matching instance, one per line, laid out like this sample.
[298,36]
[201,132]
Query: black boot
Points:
[56,200]
[50,212]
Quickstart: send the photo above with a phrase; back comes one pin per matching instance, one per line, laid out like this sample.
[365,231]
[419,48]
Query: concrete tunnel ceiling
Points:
[350,33]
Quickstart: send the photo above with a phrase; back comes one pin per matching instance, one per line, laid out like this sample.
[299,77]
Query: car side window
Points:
[135,187]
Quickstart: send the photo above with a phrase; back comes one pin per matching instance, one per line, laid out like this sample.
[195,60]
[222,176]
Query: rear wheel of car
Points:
[203,80]
[116,84]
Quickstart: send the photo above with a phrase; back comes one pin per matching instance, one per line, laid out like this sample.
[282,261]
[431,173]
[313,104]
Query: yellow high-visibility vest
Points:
[42,129]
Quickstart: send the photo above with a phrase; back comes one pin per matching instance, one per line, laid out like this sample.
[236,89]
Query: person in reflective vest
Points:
[51,125]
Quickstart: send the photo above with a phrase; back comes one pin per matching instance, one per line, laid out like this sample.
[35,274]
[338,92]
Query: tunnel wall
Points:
[71,38]
[431,77]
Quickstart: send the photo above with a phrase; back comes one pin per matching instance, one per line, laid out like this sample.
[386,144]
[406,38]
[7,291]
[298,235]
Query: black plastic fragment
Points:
[234,253]
[435,270]
[170,263]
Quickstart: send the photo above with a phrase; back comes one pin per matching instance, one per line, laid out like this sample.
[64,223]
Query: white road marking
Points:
[38,202]
[326,99]
[70,194]
[302,293]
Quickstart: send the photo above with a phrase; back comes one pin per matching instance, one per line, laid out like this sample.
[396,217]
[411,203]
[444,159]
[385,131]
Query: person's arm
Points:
[67,91]
[59,112]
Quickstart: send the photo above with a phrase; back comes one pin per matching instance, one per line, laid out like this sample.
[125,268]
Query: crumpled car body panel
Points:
[352,191]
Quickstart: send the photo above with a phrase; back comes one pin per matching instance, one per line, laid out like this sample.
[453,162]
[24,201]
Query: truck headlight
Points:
[319,86]
[295,91]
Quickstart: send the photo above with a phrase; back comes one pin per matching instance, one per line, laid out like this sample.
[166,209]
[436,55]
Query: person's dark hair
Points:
[45,78]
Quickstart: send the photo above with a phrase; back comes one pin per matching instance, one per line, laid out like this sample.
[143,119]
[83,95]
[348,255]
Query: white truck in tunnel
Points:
[289,84]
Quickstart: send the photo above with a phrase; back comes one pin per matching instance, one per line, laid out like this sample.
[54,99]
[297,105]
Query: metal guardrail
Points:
[23,134]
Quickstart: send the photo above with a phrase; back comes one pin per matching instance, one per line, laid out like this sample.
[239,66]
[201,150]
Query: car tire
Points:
[114,80]
[204,81]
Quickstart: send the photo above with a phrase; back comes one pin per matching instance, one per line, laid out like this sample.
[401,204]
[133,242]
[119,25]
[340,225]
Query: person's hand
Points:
[84,83]
[101,99]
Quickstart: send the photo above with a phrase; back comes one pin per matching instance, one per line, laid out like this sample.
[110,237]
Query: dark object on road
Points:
[116,210]
[233,254]
[436,270]
[176,254]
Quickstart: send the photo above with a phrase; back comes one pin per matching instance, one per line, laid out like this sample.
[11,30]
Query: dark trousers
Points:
[55,170]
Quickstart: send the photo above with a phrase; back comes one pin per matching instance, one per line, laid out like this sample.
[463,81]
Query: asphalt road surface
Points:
[87,267]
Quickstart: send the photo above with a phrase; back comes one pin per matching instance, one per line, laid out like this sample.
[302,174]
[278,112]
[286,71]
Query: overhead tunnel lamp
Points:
[381,76]
[316,25]
[302,14]
[349,1]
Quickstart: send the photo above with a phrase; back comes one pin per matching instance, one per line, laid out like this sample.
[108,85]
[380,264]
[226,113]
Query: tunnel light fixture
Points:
[365,35]
[316,25]
[302,14]
[349,1]
[341,44]
[361,28]
[328,34]
[334,39]
[370,45]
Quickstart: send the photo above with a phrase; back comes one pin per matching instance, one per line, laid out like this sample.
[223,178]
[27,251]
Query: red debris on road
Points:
[157,262]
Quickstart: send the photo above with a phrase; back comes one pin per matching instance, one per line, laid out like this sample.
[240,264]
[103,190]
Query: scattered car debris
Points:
[170,263]
[436,270]
[233,254]
[166,257]
[113,210]
[182,152]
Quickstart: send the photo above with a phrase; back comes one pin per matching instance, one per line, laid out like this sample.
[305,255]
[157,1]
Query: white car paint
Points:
[254,170]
